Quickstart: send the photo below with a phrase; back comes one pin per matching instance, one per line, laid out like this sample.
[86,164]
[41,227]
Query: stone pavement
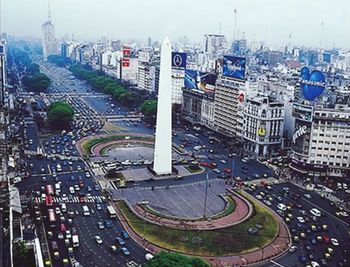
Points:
[242,212]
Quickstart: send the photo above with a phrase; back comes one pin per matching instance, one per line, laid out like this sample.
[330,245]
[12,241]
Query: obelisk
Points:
[162,152]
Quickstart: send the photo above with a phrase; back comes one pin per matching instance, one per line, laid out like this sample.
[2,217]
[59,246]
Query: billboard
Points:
[126,51]
[234,67]
[312,84]
[126,62]
[178,60]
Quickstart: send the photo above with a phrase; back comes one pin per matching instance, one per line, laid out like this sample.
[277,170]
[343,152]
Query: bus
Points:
[52,217]
[48,201]
[49,190]
[75,240]
[111,212]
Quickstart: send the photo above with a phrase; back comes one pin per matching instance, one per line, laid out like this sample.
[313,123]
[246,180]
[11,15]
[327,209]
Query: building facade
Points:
[226,105]
[263,125]
[49,43]
[321,141]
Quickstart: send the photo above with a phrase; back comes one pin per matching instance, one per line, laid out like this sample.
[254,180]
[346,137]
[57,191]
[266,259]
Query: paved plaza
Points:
[180,201]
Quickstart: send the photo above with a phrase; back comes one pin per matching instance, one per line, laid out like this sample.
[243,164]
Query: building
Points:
[177,84]
[263,124]
[2,73]
[321,141]
[214,44]
[49,43]
[226,105]
[148,70]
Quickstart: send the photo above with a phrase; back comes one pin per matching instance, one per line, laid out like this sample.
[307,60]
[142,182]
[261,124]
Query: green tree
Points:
[59,115]
[20,253]
[129,99]
[168,259]
[149,110]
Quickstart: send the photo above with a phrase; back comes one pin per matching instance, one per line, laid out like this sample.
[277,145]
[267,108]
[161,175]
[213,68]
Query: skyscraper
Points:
[162,151]
[49,42]
[2,73]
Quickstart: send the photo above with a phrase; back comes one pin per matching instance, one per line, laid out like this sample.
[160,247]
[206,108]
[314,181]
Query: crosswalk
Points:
[74,199]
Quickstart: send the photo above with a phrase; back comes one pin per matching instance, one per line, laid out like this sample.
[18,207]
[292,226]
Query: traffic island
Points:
[231,244]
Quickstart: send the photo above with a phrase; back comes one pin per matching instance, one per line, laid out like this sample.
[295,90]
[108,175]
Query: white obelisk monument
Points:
[162,152]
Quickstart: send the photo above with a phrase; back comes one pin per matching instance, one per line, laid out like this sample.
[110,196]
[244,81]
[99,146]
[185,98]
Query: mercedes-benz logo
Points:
[177,60]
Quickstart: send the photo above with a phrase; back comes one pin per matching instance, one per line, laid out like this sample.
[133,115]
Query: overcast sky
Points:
[270,20]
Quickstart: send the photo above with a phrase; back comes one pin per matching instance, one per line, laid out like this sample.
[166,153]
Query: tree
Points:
[149,110]
[20,253]
[59,115]
[129,99]
[168,259]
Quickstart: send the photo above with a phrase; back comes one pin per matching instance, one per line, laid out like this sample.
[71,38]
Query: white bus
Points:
[86,211]
[111,212]
[75,240]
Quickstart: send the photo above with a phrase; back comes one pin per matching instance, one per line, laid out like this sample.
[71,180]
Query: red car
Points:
[82,199]
[227,170]
[326,239]
[62,227]
[204,164]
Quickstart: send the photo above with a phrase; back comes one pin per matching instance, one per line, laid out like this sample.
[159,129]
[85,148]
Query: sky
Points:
[271,21]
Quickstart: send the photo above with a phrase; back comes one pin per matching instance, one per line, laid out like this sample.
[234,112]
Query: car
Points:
[292,249]
[71,190]
[72,178]
[88,175]
[302,259]
[89,189]
[98,207]
[281,206]
[114,249]
[125,251]
[68,234]
[108,224]
[43,179]
[301,219]
[97,188]
[315,212]
[120,241]
[125,234]
[60,235]
[100,225]
[98,239]
[57,211]
[334,242]
[326,239]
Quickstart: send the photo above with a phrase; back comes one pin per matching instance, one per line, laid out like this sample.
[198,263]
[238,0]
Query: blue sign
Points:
[178,60]
[312,84]
[234,67]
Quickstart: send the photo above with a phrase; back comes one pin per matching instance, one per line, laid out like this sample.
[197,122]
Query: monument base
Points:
[174,171]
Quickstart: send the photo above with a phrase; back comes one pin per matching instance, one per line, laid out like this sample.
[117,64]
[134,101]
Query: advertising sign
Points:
[126,51]
[261,131]
[126,62]
[312,84]
[178,60]
[234,67]
[302,112]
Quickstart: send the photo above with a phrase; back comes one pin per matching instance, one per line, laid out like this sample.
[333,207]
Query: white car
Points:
[98,239]
[301,219]
[57,211]
[315,264]
[71,190]
[315,212]
[281,206]
[88,175]
[334,242]
[68,234]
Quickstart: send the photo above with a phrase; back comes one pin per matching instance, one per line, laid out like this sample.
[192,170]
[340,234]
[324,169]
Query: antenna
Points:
[322,33]
[235,24]
[49,9]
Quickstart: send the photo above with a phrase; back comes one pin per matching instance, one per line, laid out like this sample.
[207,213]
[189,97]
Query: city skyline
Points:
[91,20]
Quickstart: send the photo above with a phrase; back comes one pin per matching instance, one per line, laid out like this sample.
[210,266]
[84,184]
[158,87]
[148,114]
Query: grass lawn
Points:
[227,241]
[192,170]
[86,146]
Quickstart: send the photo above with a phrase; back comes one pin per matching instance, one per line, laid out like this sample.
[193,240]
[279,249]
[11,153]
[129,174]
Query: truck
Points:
[111,212]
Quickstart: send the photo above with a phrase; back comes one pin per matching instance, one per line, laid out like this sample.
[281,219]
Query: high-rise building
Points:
[214,44]
[49,43]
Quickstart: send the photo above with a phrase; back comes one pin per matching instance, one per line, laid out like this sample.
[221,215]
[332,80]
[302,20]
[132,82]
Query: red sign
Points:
[126,62]
[241,97]
[126,51]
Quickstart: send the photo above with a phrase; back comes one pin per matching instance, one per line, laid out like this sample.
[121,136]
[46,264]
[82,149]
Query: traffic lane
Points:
[316,199]
[88,226]
[318,249]
[32,142]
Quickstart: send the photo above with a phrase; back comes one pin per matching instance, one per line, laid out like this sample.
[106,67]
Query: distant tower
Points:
[163,146]
[235,25]
[49,43]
